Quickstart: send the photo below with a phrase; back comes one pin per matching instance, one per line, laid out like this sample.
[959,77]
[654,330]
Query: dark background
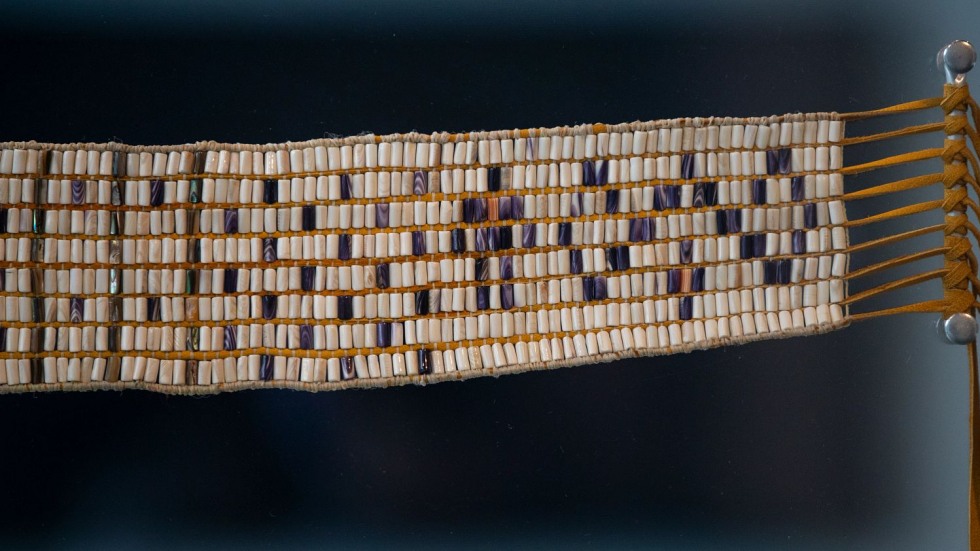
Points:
[851,440]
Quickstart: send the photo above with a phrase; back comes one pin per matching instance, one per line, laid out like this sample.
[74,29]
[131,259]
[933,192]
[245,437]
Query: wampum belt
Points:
[384,260]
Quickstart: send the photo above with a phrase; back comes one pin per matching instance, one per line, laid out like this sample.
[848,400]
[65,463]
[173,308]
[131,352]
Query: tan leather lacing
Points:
[958,274]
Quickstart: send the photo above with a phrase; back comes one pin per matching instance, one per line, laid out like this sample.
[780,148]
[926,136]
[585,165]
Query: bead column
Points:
[38,314]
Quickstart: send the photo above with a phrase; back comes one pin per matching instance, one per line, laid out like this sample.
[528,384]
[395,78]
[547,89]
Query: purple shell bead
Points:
[269,306]
[673,281]
[309,218]
[759,192]
[564,233]
[77,192]
[269,252]
[517,208]
[381,273]
[612,201]
[424,361]
[588,173]
[420,183]
[600,288]
[384,334]
[697,280]
[418,243]
[575,261]
[381,215]
[346,187]
[231,220]
[231,338]
[493,178]
[504,210]
[507,296]
[307,277]
[687,166]
[422,302]
[528,235]
[231,280]
[602,173]
[507,267]
[686,308]
[809,216]
[345,307]
[799,242]
[687,251]
[797,189]
[458,237]
[77,310]
[785,164]
[347,371]
[266,369]
[306,337]
[156,193]
[343,252]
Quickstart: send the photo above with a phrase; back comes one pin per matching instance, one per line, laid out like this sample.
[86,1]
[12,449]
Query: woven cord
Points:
[974,436]
[957,282]
[959,271]
[957,292]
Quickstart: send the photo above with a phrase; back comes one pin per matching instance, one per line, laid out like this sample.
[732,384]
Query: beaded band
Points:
[376,261]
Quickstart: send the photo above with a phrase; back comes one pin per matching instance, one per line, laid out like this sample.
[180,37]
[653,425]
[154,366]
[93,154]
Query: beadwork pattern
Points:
[376,261]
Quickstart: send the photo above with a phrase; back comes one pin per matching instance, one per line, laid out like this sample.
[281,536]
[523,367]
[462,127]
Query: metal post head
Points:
[956,59]
[958,329]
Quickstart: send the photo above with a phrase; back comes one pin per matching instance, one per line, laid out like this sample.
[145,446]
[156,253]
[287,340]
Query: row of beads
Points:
[373,185]
[615,170]
[426,301]
[104,260]
[380,244]
[422,302]
[469,209]
[345,246]
[357,277]
[403,214]
[424,154]
[228,275]
[307,219]
[425,361]
[385,334]
[795,220]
